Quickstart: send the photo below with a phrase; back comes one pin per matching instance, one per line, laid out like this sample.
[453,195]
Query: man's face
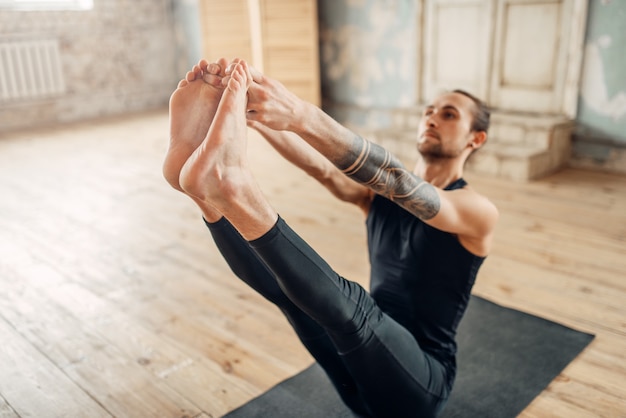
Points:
[445,128]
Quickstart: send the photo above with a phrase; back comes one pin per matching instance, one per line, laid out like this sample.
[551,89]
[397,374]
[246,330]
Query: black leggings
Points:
[375,364]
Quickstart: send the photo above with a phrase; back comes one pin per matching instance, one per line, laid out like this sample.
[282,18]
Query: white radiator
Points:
[30,69]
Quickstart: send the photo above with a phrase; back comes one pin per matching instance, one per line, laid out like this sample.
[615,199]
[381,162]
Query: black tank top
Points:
[420,276]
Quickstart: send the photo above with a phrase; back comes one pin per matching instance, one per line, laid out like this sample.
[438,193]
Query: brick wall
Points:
[118,58]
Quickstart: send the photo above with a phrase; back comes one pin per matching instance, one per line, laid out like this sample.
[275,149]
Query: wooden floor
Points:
[114,301]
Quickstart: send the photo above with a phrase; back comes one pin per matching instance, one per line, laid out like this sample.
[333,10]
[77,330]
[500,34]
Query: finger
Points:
[255,95]
[213,68]
[232,65]
[217,67]
[224,81]
[211,73]
[223,63]
[257,76]
[212,79]
[256,125]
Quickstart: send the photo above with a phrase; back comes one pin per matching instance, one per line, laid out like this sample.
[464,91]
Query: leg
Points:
[247,265]
[192,109]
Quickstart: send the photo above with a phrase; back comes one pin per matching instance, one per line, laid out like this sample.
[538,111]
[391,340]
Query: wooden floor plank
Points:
[116,381]
[6,411]
[167,358]
[32,385]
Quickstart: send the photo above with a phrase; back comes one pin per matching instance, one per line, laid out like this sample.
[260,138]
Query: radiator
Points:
[30,69]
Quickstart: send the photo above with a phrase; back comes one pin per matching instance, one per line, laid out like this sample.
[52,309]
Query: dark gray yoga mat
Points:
[505,359]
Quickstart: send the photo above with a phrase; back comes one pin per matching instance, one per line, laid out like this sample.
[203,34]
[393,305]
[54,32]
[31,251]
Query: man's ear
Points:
[478,139]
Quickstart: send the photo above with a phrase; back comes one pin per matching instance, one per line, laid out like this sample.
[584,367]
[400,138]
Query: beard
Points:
[435,151]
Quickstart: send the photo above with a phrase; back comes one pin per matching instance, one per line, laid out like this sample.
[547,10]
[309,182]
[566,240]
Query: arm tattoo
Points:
[373,166]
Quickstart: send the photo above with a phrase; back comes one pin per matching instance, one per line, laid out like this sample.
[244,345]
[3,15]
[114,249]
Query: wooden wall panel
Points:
[280,37]
[225,29]
[290,45]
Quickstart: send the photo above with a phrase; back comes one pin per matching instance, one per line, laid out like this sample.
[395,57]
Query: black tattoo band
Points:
[373,166]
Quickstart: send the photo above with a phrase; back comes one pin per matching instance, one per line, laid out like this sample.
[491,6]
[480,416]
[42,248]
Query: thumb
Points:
[254,124]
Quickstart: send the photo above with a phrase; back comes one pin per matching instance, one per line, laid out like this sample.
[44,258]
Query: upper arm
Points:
[469,215]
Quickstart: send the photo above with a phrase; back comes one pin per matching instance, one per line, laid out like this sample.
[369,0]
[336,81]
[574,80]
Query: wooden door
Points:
[536,64]
[457,46]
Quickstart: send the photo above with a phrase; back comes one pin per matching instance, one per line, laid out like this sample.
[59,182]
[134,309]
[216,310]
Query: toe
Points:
[203,63]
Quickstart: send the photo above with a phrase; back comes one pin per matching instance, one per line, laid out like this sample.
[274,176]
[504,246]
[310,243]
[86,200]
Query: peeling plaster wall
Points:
[188,33]
[368,59]
[600,138]
[118,58]
[603,88]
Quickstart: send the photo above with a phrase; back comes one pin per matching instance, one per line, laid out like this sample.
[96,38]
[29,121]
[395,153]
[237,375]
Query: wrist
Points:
[306,117]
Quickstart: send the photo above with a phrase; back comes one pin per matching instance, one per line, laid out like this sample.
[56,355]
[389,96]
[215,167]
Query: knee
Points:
[355,329]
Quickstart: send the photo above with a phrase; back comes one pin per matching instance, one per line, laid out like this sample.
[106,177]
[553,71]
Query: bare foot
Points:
[217,172]
[224,148]
[192,109]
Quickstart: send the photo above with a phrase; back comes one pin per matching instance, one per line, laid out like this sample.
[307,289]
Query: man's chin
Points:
[426,148]
[431,153]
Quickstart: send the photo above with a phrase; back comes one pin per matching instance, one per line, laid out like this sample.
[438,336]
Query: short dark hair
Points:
[482,112]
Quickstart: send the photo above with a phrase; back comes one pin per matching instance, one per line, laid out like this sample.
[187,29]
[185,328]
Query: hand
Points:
[270,103]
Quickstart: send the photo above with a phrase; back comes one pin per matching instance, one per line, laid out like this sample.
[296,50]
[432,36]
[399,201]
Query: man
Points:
[390,353]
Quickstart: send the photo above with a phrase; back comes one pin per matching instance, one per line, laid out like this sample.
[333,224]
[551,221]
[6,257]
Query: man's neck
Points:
[439,173]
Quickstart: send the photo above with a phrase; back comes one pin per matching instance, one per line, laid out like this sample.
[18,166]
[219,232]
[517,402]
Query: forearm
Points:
[366,162]
[296,151]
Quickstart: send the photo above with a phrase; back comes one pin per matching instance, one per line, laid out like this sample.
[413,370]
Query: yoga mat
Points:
[505,359]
